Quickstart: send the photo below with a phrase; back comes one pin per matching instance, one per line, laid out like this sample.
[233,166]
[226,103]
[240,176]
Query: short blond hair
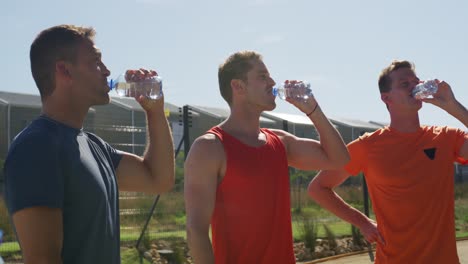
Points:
[385,82]
[235,66]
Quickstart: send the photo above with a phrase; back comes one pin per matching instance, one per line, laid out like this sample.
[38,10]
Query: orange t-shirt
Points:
[410,177]
[251,222]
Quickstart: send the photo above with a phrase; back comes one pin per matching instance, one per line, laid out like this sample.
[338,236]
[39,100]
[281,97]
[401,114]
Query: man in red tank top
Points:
[409,171]
[236,175]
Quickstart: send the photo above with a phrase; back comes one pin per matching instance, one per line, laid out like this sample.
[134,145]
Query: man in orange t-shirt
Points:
[410,174]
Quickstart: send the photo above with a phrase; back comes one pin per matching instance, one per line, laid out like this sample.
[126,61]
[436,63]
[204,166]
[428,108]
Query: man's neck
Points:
[242,123]
[405,123]
[64,113]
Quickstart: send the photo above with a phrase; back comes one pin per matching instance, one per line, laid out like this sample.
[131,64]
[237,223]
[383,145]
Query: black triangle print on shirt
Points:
[430,153]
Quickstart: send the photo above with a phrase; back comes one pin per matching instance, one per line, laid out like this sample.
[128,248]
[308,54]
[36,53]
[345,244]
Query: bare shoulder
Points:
[207,142]
[281,133]
[205,161]
[284,136]
[206,147]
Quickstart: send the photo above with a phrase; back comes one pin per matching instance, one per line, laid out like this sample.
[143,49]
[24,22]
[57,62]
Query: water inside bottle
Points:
[151,89]
[425,89]
[300,90]
[122,89]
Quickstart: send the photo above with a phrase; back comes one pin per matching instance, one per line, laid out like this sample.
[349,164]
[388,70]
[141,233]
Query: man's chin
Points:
[105,99]
[269,106]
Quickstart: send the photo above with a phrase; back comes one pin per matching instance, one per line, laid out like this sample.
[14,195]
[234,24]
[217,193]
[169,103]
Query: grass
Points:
[168,220]
[461,215]
[9,247]
[5,225]
[131,256]
[339,228]
[133,236]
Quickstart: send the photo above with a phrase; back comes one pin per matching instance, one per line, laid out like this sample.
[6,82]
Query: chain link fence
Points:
[145,218]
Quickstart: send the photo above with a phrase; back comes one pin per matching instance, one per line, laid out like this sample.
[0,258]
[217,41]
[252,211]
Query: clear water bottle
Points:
[134,83]
[425,89]
[297,90]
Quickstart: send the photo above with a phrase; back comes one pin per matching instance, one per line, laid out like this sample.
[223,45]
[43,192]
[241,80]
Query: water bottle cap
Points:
[275,91]
[111,84]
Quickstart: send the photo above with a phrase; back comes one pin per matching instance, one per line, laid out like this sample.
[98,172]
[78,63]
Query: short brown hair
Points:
[235,67]
[51,45]
[385,81]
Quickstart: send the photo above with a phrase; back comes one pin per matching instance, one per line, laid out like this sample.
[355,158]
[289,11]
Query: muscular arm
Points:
[307,154]
[458,111]
[202,168]
[40,234]
[321,190]
[34,195]
[445,99]
[154,173]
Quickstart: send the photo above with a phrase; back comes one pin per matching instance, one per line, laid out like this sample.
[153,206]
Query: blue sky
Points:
[339,46]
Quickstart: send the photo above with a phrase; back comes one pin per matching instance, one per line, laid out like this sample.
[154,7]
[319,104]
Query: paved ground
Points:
[462,247]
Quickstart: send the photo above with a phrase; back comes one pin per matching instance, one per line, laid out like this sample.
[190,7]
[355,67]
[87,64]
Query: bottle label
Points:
[297,90]
[425,89]
[135,83]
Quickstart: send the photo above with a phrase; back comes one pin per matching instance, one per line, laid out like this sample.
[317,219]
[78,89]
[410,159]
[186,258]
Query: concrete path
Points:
[462,247]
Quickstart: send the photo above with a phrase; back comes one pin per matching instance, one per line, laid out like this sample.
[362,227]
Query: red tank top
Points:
[251,223]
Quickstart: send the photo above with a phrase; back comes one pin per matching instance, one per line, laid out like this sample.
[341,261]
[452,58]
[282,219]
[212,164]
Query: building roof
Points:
[34,101]
[212,111]
[132,104]
[223,113]
[355,123]
[379,123]
[291,118]
[19,99]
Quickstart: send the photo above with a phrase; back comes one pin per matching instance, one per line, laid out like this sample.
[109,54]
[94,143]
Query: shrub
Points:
[309,232]
[358,239]
[330,236]
[5,225]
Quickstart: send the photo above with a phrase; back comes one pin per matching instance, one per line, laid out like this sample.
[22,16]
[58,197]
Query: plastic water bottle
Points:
[425,89]
[134,83]
[297,90]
